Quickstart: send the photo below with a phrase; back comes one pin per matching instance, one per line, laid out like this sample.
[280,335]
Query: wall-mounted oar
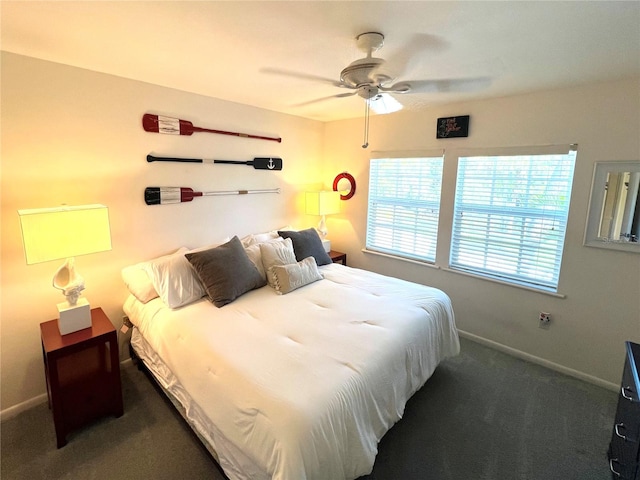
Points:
[177,126]
[259,163]
[166,195]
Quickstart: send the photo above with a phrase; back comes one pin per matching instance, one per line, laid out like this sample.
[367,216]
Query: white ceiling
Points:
[225,49]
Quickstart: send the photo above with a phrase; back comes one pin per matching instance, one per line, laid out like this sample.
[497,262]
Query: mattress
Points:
[304,385]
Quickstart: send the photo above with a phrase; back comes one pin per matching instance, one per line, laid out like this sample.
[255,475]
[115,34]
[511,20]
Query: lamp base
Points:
[74,317]
[327,245]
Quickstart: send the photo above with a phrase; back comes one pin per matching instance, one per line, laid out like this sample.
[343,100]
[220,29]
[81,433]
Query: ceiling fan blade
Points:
[441,86]
[385,103]
[303,76]
[404,59]
[400,87]
[340,95]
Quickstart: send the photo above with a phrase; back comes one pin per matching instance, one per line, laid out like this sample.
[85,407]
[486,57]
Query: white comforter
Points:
[304,385]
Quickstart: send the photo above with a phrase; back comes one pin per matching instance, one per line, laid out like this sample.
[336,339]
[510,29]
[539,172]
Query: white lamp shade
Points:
[63,232]
[326,202]
[385,104]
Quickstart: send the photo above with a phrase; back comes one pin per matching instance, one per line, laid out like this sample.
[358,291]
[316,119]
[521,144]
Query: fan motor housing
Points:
[362,72]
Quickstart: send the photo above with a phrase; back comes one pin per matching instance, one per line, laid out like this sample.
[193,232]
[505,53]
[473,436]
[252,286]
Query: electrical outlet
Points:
[545,320]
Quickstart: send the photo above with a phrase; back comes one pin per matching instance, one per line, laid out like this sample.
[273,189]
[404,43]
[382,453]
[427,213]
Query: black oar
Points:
[259,163]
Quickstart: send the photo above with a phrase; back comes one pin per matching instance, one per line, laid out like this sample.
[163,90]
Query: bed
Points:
[300,374]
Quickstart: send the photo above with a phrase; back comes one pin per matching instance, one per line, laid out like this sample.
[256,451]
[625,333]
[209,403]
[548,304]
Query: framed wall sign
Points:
[451,127]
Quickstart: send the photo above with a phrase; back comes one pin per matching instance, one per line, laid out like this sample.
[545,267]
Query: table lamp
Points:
[66,232]
[325,202]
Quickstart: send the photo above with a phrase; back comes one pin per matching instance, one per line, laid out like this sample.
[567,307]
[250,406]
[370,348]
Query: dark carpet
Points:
[483,415]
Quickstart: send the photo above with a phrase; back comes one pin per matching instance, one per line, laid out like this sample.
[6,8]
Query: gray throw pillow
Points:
[226,272]
[307,243]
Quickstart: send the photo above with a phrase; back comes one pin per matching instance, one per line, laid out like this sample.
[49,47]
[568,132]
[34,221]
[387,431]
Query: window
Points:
[503,216]
[404,206]
[510,217]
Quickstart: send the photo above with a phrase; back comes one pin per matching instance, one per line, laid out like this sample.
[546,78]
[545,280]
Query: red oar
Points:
[176,126]
[166,195]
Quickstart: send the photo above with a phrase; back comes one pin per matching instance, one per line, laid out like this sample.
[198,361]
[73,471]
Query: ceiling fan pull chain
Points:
[366,123]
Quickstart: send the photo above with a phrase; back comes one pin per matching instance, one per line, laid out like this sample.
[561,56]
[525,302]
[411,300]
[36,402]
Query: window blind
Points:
[404,206]
[510,217]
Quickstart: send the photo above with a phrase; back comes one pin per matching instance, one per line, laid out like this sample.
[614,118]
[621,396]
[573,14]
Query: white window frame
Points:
[447,207]
[527,239]
[391,219]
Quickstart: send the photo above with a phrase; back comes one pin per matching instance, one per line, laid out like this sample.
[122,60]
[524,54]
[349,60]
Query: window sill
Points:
[502,282]
[458,272]
[402,259]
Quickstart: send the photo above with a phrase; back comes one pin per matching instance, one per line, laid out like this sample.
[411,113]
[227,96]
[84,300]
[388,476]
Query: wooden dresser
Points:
[624,449]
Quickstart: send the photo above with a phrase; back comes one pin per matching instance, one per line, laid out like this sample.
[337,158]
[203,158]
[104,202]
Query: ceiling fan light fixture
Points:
[382,104]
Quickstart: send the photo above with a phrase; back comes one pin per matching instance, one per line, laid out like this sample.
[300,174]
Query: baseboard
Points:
[14,410]
[11,412]
[540,361]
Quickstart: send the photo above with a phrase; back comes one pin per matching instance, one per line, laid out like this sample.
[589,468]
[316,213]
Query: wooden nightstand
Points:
[338,257]
[82,370]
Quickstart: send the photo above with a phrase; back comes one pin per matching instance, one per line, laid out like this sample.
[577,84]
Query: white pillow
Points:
[207,247]
[276,253]
[255,255]
[253,252]
[295,275]
[255,238]
[139,283]
[174,279]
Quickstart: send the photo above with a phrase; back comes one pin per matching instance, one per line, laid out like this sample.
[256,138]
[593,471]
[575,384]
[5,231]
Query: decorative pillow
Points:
[276,253]
[255,255]
[295,275]
[139,283]
[226,272]
[307,243]
[174,279]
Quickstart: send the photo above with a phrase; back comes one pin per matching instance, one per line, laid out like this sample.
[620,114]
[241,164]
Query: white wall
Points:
[602,305]
[74,136]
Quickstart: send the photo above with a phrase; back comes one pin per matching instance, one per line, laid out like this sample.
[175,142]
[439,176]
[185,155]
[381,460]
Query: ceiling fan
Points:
[365,77]
[369,78]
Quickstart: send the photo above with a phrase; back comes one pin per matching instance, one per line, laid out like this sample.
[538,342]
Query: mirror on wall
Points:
[614,211]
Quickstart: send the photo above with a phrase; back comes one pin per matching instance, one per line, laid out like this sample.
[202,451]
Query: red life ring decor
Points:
[352,185]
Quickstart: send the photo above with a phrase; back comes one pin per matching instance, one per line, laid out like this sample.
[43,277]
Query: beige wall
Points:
[602,288]
[74,136]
